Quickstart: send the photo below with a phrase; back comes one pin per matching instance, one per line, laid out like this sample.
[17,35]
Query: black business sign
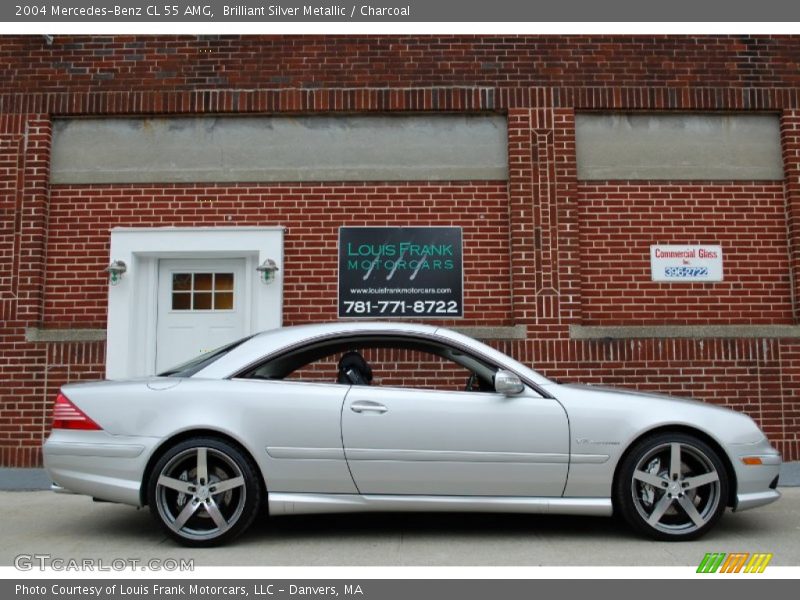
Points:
[393,272]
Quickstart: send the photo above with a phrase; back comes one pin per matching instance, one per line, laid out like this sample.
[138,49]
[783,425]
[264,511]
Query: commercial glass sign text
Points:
[686,264]
[400,272]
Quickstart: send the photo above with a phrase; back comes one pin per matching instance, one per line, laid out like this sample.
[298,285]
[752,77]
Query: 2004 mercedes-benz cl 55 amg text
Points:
[394,417]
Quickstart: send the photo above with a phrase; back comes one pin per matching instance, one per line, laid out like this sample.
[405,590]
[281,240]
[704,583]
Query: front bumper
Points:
[755,482]
[97,464]
[748,501]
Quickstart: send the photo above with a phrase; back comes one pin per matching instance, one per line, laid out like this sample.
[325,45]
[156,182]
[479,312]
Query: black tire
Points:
[210,508]
[669,498]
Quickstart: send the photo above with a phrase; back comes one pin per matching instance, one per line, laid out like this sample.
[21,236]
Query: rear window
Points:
[198,363]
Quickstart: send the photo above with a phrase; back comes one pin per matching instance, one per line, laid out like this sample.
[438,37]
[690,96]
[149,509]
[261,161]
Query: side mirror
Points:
[505,382]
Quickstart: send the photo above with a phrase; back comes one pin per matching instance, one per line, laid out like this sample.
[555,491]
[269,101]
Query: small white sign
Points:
[686,263]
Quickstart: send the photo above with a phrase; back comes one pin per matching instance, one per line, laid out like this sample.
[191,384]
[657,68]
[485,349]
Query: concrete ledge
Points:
[513,332]
[34,334]
[519,332]
[19,480]
[595,332]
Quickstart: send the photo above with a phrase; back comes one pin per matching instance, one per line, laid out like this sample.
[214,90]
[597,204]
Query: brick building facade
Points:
[556,267]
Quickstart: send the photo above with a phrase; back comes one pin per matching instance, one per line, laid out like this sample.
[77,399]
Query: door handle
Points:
[368,406]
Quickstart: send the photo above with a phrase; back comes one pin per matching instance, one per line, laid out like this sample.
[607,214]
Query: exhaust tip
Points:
[58,489]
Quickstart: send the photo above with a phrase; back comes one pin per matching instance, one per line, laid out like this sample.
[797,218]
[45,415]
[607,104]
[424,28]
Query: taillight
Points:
[68,416]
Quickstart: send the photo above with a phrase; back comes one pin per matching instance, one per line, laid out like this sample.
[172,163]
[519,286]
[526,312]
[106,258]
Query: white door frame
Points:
[132,303]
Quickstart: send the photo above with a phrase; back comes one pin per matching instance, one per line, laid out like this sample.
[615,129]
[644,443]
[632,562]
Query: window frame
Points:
[213,292]
[334,344]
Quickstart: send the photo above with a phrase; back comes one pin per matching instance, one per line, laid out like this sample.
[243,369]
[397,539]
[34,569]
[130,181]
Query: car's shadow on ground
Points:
[434,524]
[138,526]
[127,523]
[478,525]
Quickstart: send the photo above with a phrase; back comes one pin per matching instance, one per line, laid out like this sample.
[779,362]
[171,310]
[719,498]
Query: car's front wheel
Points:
[204,491]
[671,486]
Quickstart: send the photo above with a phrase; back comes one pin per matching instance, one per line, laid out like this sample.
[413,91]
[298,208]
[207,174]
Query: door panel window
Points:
[382,362]
[202,291]
[392,367]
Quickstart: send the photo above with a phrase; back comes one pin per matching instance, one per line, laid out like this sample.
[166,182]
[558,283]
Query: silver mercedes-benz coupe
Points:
[397,417]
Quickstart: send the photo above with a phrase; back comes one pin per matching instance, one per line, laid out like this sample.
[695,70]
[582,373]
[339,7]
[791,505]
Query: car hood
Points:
[645,410]
[601,390]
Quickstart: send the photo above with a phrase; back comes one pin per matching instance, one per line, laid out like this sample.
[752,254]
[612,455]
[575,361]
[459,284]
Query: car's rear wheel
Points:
[204,491]
[671,486]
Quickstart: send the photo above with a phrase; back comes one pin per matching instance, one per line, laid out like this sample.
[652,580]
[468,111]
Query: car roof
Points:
[301,332]
[271,340]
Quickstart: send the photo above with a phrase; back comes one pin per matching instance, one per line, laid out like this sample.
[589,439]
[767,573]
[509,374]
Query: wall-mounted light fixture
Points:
[268,268]
[115,271]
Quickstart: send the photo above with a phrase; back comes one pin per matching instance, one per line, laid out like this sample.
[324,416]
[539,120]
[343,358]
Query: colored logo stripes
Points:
[735,562]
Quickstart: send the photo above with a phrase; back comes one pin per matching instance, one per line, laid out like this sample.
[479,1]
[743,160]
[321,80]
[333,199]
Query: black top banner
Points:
[397,11]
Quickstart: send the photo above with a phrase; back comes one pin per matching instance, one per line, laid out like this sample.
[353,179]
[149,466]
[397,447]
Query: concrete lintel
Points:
[513,332]
[594,332]
[35,334]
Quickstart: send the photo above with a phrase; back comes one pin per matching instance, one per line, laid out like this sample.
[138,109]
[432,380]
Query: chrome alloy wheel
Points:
[200,493]
[676,488]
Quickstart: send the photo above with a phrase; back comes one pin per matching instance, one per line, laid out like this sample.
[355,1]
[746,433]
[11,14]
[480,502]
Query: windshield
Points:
[198,363]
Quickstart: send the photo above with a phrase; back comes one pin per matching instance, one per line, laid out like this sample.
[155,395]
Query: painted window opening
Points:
[202,291]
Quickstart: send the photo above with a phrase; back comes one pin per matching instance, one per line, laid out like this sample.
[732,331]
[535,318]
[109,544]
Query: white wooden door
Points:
[200,307]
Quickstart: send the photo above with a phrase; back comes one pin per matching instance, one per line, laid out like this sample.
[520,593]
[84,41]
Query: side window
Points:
[318,371]
[416,369]
[392,367]
[387,361]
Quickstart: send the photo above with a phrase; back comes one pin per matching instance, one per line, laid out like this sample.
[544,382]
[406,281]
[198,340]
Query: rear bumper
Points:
[98,464]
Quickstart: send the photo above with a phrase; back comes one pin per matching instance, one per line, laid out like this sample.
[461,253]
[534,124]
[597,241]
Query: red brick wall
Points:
[620,220]
[212,62]
[545,252]
[790,142]
[537,226]
[81,218]
[24,164]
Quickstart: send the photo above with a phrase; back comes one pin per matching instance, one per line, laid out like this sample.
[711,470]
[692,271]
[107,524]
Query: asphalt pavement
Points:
[73,527]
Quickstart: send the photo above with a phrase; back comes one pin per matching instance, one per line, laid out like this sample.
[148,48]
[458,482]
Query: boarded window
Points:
[678,147]
[257,149]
